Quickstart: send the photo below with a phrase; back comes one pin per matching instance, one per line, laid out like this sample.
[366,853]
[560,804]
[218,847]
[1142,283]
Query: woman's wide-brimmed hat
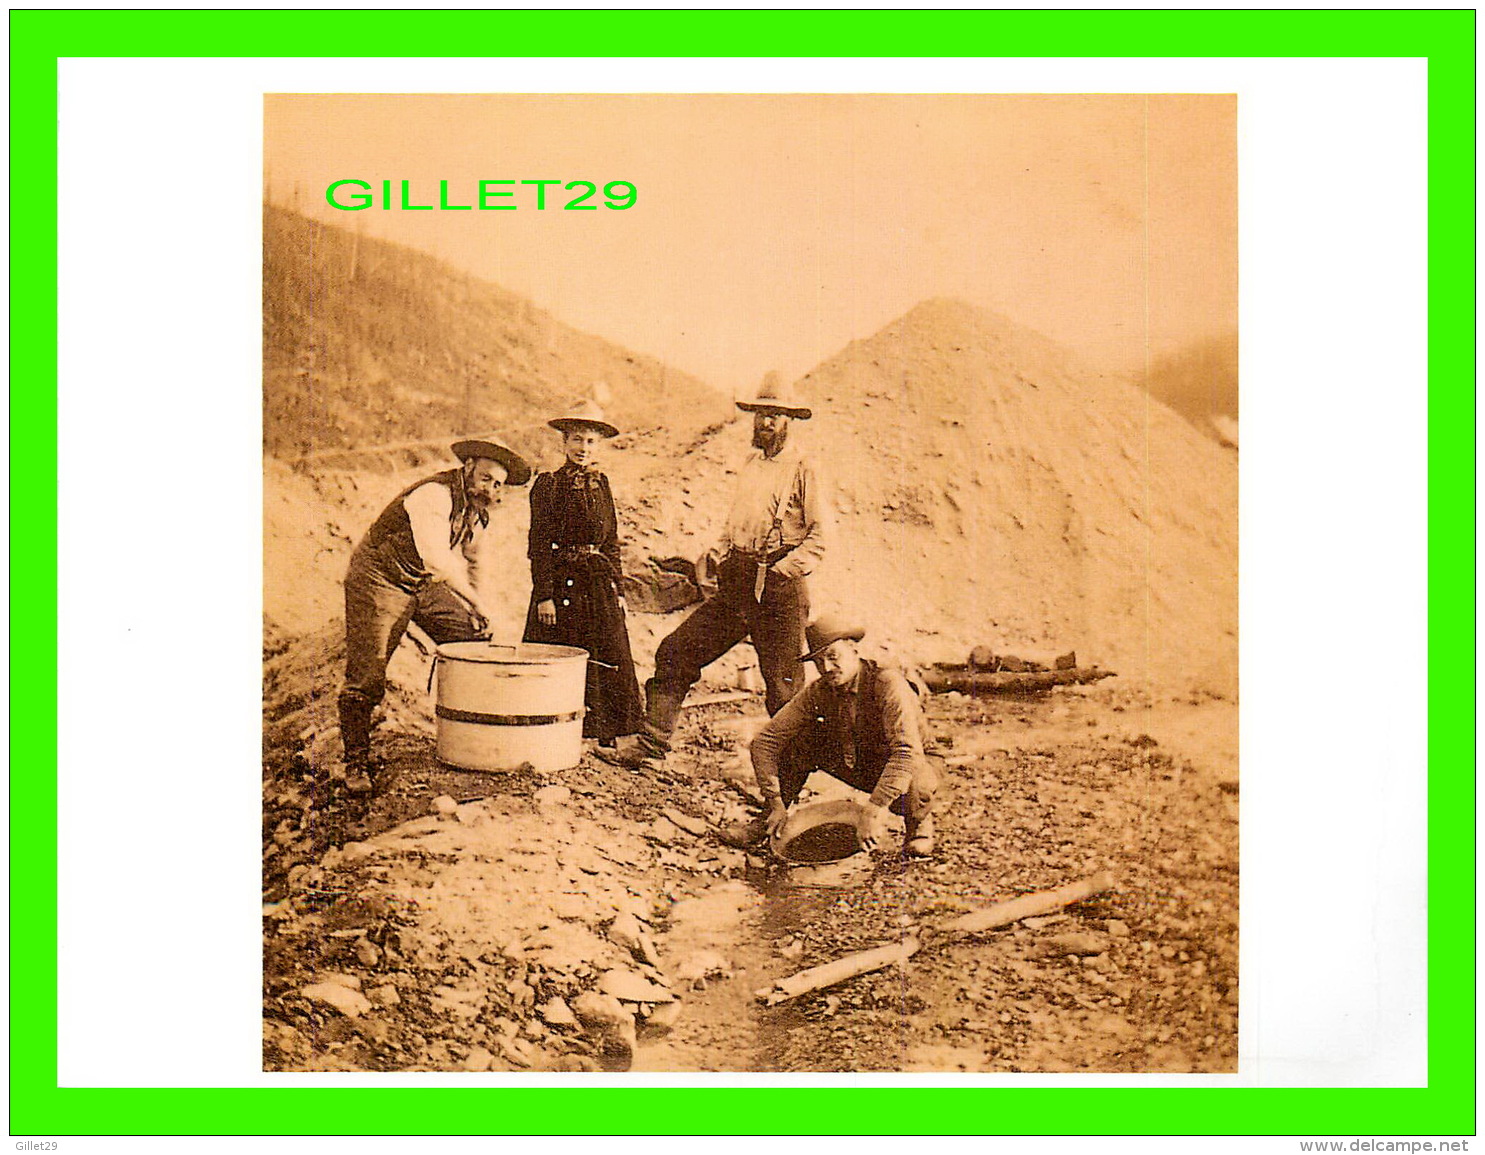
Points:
[518,472]
[585,415]
[775,397]
[825,629]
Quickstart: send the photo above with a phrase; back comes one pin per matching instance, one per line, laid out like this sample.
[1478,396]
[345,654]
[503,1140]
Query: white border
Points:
[160,556]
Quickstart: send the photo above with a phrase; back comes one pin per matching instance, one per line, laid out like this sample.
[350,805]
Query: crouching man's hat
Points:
[775,397]
[517,471]
[825,629]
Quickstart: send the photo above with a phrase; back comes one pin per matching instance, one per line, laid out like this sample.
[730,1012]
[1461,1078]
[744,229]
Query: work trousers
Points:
[378,608]
[808,753]
[774,622]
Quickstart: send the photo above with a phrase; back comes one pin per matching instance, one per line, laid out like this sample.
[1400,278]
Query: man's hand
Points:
[869,822]
[546,612]
[776,815]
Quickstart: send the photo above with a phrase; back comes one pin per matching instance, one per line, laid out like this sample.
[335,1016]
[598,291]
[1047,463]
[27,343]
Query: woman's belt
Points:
[572,554]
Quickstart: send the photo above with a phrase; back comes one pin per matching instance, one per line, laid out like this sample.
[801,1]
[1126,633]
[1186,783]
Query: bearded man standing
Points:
[413,566]
[774,537]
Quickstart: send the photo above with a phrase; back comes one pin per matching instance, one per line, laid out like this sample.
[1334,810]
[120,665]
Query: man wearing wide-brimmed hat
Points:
[859,722]
[773,539]
[413,566]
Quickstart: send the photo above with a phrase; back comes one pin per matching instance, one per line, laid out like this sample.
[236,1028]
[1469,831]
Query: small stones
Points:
[478,1059]
[367,953]
[384,996]
[444,806]
[1117,928]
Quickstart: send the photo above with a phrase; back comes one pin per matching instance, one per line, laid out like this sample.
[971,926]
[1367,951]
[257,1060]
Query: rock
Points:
[625,984]
[1117,928]
[663,1017]
[384,996]
[444,806]
[605,1020]
[354,853]
[556,1013]
[694,826]
[1044,921]
[367,953]
[552,796]
[348,1002]
[352,982]
[478,1059]
[624,931]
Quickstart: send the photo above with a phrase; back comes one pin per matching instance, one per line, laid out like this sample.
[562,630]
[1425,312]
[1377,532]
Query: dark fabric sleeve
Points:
[903,732]
[539,542]
[608,539]
[768,744]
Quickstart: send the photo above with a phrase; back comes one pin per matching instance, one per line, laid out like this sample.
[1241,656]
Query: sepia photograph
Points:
[750,583]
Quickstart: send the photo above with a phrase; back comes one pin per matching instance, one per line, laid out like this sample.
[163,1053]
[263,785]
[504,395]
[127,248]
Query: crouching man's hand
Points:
[777,812]
[869,822]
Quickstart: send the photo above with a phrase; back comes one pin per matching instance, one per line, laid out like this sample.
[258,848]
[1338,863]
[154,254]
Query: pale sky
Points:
[769,231]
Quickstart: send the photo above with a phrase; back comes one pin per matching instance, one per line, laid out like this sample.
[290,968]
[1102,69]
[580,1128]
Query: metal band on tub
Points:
[448,713]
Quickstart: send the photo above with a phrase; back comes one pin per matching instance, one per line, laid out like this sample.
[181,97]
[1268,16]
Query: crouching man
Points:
[859,722]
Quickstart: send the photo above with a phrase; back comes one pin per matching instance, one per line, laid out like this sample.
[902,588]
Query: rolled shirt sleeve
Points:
[429,511]
[901,727]
[814,521]
[769,743]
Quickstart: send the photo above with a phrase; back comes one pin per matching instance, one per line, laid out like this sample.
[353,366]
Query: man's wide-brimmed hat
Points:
[774,396]
[585,415]
[828,628]
[518,472]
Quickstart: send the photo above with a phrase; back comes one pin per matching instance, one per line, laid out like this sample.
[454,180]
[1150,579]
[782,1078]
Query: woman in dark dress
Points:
[576,571]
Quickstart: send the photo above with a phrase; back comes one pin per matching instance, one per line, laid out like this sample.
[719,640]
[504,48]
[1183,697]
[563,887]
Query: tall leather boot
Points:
[355,739]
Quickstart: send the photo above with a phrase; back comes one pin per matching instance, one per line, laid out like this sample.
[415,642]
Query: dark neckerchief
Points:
[465,514]
[572,476]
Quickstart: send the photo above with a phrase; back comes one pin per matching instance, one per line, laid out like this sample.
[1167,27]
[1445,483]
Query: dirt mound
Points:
[368,343]
[991,490]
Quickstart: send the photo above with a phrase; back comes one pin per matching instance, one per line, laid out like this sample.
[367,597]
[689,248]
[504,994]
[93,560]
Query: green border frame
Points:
[1445,1107]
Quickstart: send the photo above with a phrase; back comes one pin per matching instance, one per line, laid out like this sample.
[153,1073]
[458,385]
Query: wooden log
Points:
[828,974]
[968,681]
[1029,905]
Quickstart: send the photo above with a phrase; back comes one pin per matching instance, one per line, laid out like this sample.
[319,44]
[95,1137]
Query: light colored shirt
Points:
[780,502]
[430,508]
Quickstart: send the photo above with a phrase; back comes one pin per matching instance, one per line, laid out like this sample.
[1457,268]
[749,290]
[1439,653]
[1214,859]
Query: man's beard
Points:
[770,443]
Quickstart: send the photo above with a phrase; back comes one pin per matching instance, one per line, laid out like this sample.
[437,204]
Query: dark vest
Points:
[866,748]
[391,535]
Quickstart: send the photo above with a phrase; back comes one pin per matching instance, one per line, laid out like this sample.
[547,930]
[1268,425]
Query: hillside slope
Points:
[367,343]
